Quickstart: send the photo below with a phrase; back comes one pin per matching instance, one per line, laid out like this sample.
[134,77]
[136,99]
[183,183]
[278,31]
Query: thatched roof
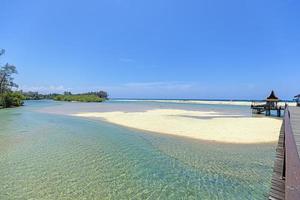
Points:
[272,97]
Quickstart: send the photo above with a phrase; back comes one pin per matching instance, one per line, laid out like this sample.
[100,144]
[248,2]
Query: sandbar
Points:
[212,126]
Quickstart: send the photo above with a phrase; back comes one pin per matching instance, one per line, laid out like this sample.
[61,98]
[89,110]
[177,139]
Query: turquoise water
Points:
[49,156]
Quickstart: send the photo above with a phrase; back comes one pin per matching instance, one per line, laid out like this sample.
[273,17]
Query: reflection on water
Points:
[45,156]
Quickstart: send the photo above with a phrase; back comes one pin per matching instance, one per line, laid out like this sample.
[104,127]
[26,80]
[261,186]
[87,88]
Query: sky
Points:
[196,49]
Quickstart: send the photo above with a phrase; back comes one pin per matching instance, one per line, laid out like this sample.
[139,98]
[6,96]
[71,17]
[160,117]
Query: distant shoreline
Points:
[209,102]
[179,99]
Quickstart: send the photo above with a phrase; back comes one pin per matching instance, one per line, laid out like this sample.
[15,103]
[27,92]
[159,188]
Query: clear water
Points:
[49,156]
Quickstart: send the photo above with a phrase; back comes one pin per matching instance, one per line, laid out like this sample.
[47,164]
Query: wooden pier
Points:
[270,105]
[265,108]
[286,173]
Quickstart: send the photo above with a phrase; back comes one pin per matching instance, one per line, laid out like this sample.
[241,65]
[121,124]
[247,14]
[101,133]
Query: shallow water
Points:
[140,106]
[48,156]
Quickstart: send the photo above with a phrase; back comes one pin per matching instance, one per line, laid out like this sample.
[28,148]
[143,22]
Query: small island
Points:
[84,97]
[99,96]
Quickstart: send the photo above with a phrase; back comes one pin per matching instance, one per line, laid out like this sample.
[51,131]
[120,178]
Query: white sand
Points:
[197,124]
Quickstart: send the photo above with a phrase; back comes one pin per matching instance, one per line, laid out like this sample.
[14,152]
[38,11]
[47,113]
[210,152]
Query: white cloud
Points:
[46,88]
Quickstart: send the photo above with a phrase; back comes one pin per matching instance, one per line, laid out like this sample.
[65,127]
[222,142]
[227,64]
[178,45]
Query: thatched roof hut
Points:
[272,97]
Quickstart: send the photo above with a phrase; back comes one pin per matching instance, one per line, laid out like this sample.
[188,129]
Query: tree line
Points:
[9,97]
[79,98]
[97,96]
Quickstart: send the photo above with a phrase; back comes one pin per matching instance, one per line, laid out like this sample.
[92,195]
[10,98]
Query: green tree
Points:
[12,99]
[100,94]
[6,78]
[8,98]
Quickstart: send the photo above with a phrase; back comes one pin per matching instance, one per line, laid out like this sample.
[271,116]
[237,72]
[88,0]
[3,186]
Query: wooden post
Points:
[278,112]
[268,112]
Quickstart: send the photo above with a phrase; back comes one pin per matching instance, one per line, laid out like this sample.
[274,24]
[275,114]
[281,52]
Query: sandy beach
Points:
[202,125]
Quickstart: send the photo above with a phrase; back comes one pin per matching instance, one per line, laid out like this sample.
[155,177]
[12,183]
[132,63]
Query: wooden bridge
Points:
[286,174]
[265,108]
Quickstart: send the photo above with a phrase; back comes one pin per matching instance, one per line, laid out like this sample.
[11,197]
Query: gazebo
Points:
[297,99]
[272,100]
[271,104]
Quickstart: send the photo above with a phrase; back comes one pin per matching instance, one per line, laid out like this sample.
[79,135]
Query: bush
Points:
[11,99]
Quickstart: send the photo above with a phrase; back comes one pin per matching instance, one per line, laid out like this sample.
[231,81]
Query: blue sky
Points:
[234,49]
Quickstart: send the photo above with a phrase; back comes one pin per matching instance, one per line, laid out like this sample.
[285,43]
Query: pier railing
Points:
[291,168]
[286,172]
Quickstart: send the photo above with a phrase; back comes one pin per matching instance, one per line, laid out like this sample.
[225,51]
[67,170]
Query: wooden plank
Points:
[295,123]
[292,163]
[277,183]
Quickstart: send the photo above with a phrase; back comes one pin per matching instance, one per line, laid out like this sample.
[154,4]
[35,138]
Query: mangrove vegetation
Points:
[98,96]
[84,97]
